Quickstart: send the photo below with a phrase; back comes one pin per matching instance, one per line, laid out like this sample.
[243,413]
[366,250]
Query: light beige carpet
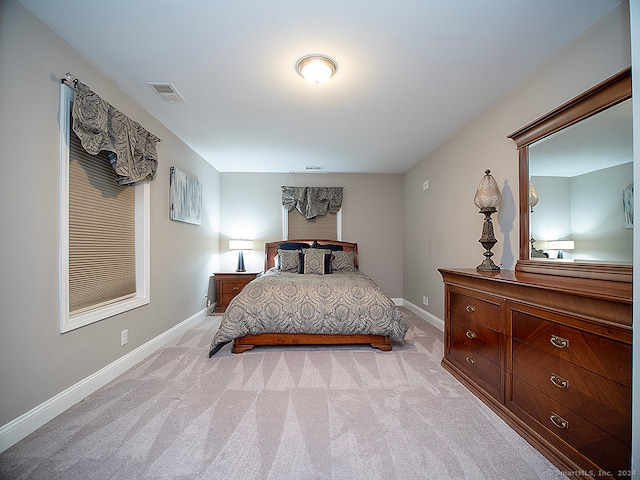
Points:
[280,413]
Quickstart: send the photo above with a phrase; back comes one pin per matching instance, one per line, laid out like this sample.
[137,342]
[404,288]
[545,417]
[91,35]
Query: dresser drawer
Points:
[481,311]
[227,297]
[480,369]
[606,357]
[603,402]
[229,289]
[476,336]
[232,286]
[603,449]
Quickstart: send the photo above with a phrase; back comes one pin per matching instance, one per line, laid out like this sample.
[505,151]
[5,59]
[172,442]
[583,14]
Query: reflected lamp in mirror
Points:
[240,245]
[487,199]
[561,245]
[533,197]
[533,201]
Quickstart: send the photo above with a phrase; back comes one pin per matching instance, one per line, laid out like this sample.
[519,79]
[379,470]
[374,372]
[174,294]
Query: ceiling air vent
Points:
[166,91]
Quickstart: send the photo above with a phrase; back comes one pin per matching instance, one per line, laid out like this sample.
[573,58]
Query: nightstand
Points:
[228,285]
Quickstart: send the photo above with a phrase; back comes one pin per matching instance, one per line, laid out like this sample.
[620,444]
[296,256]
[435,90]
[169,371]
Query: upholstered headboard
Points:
[271,249]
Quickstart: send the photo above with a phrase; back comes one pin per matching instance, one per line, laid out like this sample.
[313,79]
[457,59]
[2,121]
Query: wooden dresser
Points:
[228,285]
[551,355]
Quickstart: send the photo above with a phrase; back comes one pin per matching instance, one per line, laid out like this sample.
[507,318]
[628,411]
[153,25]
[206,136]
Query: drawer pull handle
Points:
[470,334]
[559,342]
[558,421]
[236,288]
[558,381]
[470,360]
[470,308]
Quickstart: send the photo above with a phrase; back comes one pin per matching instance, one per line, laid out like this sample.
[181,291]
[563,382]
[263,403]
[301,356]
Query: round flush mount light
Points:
[316,69]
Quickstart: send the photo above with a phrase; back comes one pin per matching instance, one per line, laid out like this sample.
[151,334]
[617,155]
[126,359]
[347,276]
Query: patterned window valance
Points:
[312,201]
[100,126]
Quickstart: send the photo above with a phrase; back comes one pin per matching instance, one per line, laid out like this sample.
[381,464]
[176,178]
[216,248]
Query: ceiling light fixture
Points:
[316,69]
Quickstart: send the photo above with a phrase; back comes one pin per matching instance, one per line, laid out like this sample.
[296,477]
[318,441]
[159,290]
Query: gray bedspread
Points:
[282,302]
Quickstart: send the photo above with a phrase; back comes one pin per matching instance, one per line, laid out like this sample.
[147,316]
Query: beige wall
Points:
[442,225]
[371,216]
[36,361]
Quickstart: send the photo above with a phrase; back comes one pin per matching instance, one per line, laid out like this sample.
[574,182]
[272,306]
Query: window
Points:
[322,227]
[104,234]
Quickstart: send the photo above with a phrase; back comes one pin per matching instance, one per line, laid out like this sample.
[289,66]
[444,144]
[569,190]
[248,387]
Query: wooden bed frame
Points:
[247,342]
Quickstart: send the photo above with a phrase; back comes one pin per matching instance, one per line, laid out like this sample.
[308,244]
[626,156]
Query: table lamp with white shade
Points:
[240,245]
[561,245]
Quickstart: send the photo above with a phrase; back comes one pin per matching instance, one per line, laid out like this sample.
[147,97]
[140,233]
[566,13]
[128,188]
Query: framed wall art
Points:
[627,202]
[185,197]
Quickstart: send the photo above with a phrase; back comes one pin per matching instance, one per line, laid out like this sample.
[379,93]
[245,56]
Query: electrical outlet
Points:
[425,184]
[425,300]
[124,337]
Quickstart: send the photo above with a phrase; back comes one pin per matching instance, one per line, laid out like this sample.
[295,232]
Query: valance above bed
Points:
[100,126]
[312,201]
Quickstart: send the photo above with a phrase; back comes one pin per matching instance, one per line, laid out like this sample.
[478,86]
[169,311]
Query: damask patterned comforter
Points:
[282,302]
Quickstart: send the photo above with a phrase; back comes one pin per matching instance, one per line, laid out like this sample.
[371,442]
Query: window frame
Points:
[142,237]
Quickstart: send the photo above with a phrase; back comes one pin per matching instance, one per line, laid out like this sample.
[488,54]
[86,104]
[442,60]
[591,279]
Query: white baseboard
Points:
[14,431]
[428,317]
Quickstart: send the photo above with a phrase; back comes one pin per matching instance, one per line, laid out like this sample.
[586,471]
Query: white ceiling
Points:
[410,72]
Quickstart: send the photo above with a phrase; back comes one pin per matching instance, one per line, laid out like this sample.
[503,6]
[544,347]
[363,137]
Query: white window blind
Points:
[322,227]
[102,264]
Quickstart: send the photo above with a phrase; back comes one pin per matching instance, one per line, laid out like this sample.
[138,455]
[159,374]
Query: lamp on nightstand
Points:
[533,197]
[561,245]
[240,245]
[533,201]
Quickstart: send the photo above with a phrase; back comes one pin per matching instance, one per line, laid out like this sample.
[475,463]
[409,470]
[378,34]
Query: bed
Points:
[311,293]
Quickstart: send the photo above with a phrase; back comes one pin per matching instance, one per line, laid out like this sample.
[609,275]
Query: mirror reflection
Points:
[582,179]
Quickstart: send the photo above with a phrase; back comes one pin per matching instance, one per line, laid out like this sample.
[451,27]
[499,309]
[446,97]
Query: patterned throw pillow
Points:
[289,260]
[344,262]
[317,261]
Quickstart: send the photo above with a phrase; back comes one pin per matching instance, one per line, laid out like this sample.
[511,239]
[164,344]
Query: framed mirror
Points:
[576,186]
